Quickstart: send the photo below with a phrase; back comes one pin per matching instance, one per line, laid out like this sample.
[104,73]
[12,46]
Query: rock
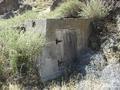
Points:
[7,15]
[23,8]
[97,64]
[91,63]
[118,23]
[8,5]
[10,8]
[98,61]
[117,4]
[111,47]
[115,11]
[55,4]
[108,80]
[110,43]
[111,75]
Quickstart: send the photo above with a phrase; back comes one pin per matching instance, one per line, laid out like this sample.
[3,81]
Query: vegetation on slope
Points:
[67,9]
[17,20]
[95,8]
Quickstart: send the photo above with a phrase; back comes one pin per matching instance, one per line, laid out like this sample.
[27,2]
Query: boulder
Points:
[111,75]
[8,5]
[97,64]
[55,4]
[111,47]
[23,8]
[7,15]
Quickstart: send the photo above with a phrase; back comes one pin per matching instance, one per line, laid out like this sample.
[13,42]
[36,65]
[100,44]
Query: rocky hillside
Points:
[10,8]
[97,67]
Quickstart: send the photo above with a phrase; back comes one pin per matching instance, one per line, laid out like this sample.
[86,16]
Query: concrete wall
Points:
[65,39]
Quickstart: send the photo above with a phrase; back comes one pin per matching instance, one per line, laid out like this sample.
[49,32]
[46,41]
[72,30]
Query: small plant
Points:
[95,8]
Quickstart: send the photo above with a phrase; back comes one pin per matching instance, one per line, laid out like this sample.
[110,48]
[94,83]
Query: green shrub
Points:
[21,48]
[3,55]
[11,42]
[95,8]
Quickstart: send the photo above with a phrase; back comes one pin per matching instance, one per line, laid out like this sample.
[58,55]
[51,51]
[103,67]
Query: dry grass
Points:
[90,84]
[12,87]
[95,8]
[19,48]
[74,83]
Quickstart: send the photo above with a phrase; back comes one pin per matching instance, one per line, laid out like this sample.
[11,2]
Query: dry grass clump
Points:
[95,8]
[12,87]
[92,85]
[73,84]
[89,84]
[18,51]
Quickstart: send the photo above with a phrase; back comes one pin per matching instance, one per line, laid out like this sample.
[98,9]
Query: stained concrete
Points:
[65,39]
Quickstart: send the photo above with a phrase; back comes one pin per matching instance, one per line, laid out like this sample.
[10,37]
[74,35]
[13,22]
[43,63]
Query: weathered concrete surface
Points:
[65,39]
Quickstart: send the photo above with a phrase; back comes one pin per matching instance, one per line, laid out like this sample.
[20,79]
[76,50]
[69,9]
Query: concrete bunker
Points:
[65,40]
